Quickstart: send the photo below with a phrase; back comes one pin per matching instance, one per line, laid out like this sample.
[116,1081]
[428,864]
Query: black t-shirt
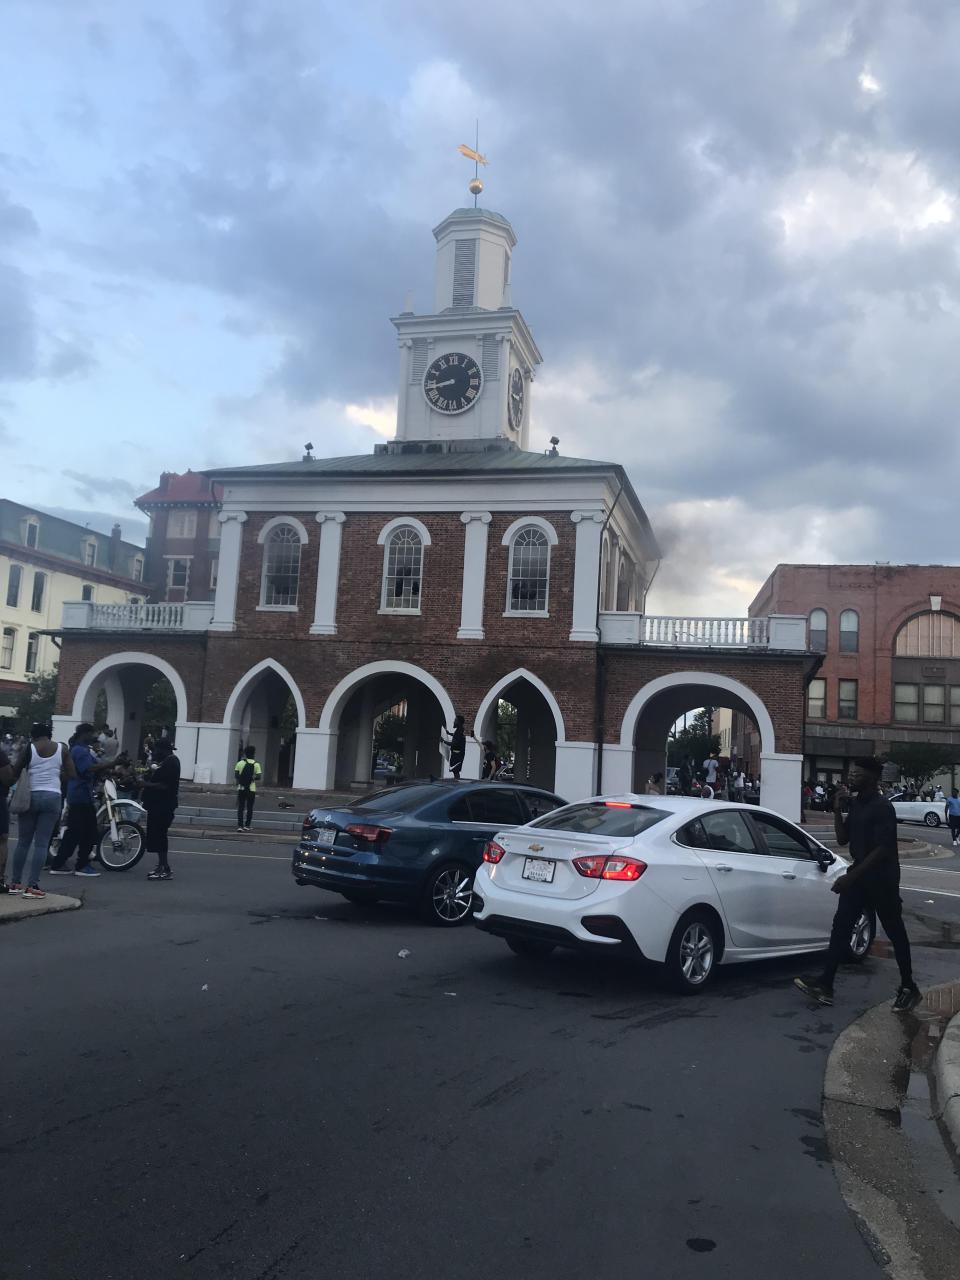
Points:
[872,823]
[167,775]
[4,761]
[458,742]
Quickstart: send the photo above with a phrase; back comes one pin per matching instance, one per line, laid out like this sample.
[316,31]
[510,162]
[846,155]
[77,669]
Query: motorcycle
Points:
[121,830]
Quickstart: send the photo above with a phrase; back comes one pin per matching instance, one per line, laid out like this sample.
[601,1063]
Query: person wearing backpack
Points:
[247,771]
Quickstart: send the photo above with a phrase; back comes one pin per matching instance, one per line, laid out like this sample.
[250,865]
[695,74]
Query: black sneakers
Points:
[815,989]
[160,873]
[907,998]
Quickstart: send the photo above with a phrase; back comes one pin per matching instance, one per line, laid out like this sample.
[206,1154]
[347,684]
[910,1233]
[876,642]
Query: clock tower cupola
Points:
[466,368]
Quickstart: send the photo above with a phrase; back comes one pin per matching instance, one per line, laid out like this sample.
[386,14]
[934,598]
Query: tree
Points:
[918,762]
[388,734]
[159,708]
[506,732]
[37,702]
[695,741]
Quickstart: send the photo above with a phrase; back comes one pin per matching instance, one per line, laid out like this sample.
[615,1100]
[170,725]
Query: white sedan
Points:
[687,883]
[929,812]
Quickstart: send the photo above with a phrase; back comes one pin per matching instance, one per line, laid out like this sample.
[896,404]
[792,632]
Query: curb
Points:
[207,833]
[947,1073]
[16,908]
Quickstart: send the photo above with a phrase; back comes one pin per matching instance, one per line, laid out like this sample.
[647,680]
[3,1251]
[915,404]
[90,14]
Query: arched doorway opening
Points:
[657,707]
[521,717]
[265,711]
[139,696]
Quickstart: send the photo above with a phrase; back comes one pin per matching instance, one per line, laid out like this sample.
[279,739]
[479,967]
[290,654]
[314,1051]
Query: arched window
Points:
[605,573]
[403,571]
[626,582]
[849,631]
[281,568]
[929,635]
[817,630]
[529,572]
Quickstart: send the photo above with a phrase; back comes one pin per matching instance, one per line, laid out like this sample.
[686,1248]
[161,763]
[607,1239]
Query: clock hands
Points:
[432,386]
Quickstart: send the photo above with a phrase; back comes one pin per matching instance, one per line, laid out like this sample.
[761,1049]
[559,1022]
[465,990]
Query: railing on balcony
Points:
[84,615]
[779,631]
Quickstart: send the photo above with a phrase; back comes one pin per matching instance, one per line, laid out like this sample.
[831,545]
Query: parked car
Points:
[686,883]
[418,842]
[929,812]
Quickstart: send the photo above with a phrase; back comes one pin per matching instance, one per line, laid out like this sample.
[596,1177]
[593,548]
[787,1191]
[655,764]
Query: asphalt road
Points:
[202,1078]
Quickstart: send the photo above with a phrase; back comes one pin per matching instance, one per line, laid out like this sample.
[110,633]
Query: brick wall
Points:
[186,654]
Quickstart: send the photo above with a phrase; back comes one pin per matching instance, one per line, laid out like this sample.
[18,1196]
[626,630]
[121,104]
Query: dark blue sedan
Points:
[420,843]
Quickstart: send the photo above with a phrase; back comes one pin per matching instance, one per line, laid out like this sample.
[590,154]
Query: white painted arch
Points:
[538,522]
[521,673]
[278,522]
[403,522]
[114,663]
[330,716]
[712,680]
[246,683]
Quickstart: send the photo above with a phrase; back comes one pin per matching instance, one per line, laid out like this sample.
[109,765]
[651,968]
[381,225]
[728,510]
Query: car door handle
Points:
[723,866]
[788,875]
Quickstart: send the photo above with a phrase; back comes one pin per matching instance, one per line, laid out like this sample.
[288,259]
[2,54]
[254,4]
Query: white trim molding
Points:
[521,673]
[231,714]
[399,523]
[328,573]
[544,525]
[276,522]
[228,571]
[330,716]
[116,661]
[586,574]
[712,680]
[475,537]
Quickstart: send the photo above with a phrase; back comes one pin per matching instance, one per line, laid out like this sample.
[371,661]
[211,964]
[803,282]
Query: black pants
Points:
[456,762]
[158,824]
[80,836]
[954,827]
[884,899]
[245,800]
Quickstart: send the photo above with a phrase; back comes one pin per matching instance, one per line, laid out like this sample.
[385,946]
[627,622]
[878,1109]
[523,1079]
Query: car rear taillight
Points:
[493,852]
[310,823]
[369,834]
[604,867]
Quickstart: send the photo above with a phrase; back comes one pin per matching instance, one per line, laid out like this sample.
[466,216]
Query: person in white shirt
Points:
[711,767]
[739,784]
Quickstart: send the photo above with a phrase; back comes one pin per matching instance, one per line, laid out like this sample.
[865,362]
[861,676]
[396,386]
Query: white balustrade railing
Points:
[84,615]
[705,633]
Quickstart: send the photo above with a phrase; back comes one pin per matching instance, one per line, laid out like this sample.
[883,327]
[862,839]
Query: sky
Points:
[738,250]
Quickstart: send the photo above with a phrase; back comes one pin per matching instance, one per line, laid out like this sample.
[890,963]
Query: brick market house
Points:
[451,570]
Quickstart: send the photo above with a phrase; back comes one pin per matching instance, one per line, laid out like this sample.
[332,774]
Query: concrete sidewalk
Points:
[13,907]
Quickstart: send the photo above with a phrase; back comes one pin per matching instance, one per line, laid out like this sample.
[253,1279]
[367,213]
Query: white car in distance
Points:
[929,812]
[689,884]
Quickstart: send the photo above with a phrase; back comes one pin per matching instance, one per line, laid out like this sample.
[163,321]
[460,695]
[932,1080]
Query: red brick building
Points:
[890,671]
[451,570]
[183,545]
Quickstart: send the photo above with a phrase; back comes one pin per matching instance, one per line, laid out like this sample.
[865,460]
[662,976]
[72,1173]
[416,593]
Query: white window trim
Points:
[88,544]
[15,565]
[182,537]
[36,656]
[278,608]
[508,540]
[13,648]
[168,586]
[38,573]
[292,521]
[138,568]
[25,525]
[383,539]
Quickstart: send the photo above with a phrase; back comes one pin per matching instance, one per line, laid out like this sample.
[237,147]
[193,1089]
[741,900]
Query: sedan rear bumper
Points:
[354,876]
[615,936]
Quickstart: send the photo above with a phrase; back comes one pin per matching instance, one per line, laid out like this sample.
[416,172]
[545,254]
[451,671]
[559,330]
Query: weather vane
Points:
[475,186]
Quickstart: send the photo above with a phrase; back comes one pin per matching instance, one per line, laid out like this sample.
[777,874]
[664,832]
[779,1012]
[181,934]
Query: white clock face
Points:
[515,400]
[452,383]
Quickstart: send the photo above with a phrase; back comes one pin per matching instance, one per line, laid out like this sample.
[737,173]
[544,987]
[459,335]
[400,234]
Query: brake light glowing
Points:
[373,835]
[310,822]
[604,867]
[493,852]
[617,804]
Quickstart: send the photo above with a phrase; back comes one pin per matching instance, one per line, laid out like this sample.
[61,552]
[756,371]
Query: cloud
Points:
[94,488]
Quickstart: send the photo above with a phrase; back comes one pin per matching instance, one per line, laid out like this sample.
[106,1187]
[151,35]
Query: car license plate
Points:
[327,835]
[540,869]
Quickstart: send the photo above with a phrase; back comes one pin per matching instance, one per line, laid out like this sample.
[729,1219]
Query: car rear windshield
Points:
[396,799]
[602,819]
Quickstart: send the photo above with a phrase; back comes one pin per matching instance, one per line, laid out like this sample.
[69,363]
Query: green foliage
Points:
[159,708]
[506,739]
[918,762]
[695,741]
[37,702]
[388,734]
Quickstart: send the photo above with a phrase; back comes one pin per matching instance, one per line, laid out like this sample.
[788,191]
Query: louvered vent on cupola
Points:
[418,359]
[490,359]
[464,273]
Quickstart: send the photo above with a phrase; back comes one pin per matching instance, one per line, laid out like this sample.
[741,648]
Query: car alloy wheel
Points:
[694,950]
[862,936]
[449,897]
[696,953]
[931,819]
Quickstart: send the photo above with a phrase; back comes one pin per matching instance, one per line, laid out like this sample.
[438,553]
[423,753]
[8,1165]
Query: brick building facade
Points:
[451,571]
[889,636]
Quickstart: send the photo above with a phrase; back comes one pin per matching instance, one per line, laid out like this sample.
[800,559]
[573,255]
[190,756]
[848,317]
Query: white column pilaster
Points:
[328,573]
[586,574]
[474,574]
[228,571]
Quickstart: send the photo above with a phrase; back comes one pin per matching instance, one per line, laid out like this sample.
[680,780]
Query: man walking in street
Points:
[161,795]
[247,771]
[952,813]
[872,883]
[82,831]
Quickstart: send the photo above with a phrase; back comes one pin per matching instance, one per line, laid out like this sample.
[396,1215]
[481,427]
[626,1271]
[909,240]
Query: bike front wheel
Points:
[124,852]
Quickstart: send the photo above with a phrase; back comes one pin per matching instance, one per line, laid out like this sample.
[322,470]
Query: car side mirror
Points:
[824,859]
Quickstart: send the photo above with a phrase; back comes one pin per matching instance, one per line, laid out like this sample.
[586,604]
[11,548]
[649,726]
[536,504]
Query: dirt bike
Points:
[121,830]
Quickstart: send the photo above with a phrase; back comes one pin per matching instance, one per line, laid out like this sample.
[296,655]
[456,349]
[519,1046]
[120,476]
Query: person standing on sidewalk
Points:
[42,767]
[248,772]
[951,812]
[6,777]
[872,883]
[161,795]
[456,740]
[82,830]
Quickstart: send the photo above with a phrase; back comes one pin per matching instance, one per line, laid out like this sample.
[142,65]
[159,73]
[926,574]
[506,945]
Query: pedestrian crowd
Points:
[42,781]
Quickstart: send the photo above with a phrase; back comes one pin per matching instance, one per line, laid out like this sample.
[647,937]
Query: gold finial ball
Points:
[475,187]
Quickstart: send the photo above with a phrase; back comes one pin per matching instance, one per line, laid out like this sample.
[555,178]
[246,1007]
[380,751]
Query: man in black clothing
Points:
[161,795]
[872,883]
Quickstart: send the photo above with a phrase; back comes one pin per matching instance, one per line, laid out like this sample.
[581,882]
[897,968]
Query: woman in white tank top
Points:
[47,765]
